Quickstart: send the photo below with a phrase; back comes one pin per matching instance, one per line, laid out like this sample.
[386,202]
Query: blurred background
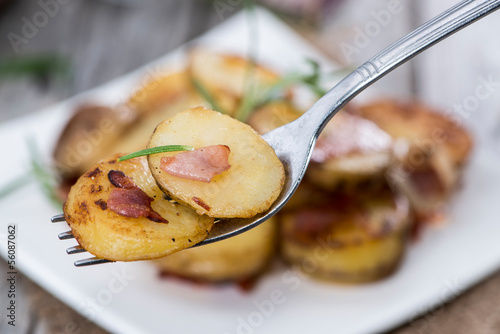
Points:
[51,50]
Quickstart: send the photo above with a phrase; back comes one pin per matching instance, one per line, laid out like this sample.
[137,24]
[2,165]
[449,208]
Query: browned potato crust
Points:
[111,236]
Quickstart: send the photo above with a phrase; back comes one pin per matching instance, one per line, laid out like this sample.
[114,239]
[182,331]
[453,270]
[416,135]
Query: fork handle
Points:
[435,30]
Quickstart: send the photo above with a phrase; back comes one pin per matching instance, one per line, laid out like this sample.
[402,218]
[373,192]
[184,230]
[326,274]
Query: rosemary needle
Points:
[155,150]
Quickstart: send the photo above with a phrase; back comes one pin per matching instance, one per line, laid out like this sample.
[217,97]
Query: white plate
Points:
[130,298]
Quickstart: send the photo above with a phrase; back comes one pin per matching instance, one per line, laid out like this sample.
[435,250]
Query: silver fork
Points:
[293,143]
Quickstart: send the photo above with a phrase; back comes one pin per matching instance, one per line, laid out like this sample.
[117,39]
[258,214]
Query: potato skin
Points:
[111,236]
[364,238]
[249,187]
[232,260]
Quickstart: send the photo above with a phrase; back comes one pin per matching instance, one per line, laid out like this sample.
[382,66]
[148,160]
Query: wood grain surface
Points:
[102,40]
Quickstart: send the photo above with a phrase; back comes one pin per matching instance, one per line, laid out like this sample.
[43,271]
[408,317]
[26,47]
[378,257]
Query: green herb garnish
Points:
[207,96]
[43,174]
[38,172]
[155,150]
[33,65]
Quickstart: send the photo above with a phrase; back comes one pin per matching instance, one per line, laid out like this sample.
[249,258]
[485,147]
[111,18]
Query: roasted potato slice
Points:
[349,238]
[224,76]
[239,258]
[349,151]
[88,137]
[306,194]
[432,151]
[250,186]
[420,126]
[159,93]
[273,115]
[112,236]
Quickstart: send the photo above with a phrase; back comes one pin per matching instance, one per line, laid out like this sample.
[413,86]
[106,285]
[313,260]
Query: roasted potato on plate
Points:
[224,76]
[88,136]
[239,258]
[252,183]
[347,238]
[160,92]
[432,150]
[350,150]
[110,232]
[272,115]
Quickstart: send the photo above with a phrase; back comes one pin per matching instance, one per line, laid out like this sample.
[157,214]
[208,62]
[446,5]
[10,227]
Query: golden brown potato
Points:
[350,150]
[432,150]
[273,115]
[306,194]
[420,126]
[239,258]
[224,76]
[347,238]
[160,93]
[109,235]
[250,186]
[88,136]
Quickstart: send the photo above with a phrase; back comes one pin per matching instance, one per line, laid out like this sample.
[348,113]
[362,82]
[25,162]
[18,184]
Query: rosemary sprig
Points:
[33,65]
[37,172]
[43,175]
[155,150]
[207,96]
[256,98]
[247,105]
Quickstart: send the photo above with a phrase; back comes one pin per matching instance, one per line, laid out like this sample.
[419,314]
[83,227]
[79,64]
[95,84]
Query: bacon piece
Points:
[350,134]
[132,203]
[314,222]
[201,203]
[200,165]
[120,180]
[129,200]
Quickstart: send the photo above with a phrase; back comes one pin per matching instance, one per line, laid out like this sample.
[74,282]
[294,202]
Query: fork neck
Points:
[435,30]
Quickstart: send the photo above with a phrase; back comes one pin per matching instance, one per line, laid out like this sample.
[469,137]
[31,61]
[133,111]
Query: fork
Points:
[294,142]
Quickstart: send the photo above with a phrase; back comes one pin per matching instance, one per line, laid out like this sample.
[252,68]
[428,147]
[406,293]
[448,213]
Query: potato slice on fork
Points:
[250,186]
[112,236]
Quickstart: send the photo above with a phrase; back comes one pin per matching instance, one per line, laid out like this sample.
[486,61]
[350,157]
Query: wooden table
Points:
[103,40]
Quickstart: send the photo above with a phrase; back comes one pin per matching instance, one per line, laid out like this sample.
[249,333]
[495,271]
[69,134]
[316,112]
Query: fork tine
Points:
[65,235]
[90,262]
[57,218]
[75,250]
